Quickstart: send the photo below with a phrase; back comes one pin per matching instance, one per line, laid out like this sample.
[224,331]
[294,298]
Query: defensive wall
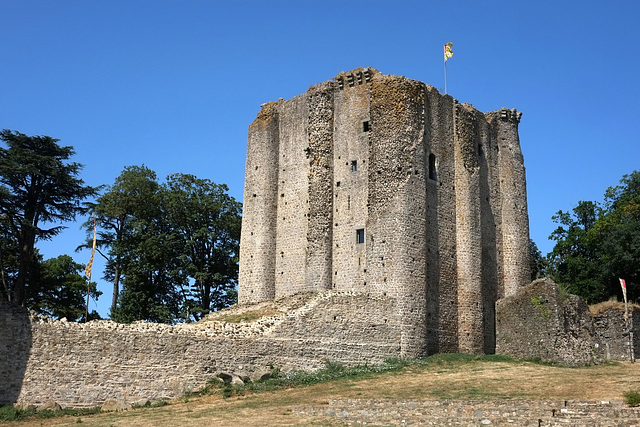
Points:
[544,322]
[85,365]
[78,364]
[381,185]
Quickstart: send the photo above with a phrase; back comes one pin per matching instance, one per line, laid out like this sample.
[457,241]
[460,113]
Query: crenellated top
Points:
[512,115]
[356,77]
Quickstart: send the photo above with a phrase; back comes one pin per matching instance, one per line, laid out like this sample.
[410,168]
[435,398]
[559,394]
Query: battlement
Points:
[358,76]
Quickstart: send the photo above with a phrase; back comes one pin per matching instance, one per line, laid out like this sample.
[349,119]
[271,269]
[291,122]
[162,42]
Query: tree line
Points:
[171,248]
[596,244]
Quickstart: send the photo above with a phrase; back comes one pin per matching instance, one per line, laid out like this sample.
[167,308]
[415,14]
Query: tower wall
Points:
[383,186]
[442,292]
[351,186]
[319,156]
[259,221]
[397,200]
[513,192]
[468,231]
[293,198]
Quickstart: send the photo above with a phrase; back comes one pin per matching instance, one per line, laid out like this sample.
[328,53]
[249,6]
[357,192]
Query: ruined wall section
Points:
[351,183]
[258,238]
[319,157]
[83,365]
[442,292]
[397,193]
[293,197]
[513,191]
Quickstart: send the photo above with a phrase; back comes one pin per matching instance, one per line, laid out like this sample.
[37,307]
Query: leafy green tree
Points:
[173,247]
[596,245]
[205,221]
[38,187]
[62,289]
[131,198]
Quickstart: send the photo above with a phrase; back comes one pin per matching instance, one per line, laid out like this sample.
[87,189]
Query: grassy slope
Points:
[438,377]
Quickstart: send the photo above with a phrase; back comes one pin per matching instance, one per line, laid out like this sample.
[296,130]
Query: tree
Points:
[172,247]
[596,245]
[537,263]
[132,197]
[205,221]
[61,289]
[38,187]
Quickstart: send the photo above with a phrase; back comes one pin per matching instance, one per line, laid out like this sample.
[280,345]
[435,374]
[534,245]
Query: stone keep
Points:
[380,184]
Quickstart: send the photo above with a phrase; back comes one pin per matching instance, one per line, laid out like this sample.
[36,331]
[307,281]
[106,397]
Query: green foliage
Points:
[61,290]
[597,244]
[538,302]
[335,372]
[173,247]
[537,263]
[38,187]
[123,214]
[11,413]
[632,398]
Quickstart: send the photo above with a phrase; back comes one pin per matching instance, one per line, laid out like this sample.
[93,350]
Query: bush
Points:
[632,398]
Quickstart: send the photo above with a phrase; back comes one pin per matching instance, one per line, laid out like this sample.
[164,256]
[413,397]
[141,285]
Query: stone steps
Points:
[474,413]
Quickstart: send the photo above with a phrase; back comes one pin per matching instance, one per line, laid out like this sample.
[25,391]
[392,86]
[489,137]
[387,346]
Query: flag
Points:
[87,270]
[624,294]
[448,51]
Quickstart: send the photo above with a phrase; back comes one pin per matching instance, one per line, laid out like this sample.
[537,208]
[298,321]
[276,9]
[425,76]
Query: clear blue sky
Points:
[175,84]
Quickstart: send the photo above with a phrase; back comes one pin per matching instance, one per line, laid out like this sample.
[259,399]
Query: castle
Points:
[391,219]
[380,185]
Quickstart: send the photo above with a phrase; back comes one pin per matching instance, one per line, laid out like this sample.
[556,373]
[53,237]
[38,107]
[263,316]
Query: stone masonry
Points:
[381,185]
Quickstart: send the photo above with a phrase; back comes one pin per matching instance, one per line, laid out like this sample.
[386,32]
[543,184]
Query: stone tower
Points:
[381,185]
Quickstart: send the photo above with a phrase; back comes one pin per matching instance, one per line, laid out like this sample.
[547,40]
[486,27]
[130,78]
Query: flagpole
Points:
[86,311]
[448,53]
[628,324]
[445,76]
[87,271]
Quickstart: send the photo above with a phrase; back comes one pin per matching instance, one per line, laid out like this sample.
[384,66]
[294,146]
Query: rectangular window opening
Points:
[360,235]
[365,126]
[354,166]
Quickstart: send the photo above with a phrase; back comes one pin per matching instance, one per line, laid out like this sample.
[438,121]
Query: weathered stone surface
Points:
[612,331]
[470,413]
[261,375]
[49,405]
[81,365]
[115,405]
[542,322]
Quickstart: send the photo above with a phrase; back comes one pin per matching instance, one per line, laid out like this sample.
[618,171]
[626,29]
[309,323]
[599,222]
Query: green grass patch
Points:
[632,398]
[338,372]
[10,413]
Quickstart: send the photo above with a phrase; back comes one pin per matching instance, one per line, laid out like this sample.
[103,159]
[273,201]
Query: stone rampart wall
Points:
[543,322]
[79,365]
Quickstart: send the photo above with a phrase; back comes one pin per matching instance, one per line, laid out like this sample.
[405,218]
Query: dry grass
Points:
[442,380]
[253,312]
[601,307]
[246,316]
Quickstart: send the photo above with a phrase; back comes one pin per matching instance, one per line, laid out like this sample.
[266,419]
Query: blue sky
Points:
[175,84]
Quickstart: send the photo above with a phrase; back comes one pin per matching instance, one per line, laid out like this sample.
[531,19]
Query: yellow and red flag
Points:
[448,51]
[87,269]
